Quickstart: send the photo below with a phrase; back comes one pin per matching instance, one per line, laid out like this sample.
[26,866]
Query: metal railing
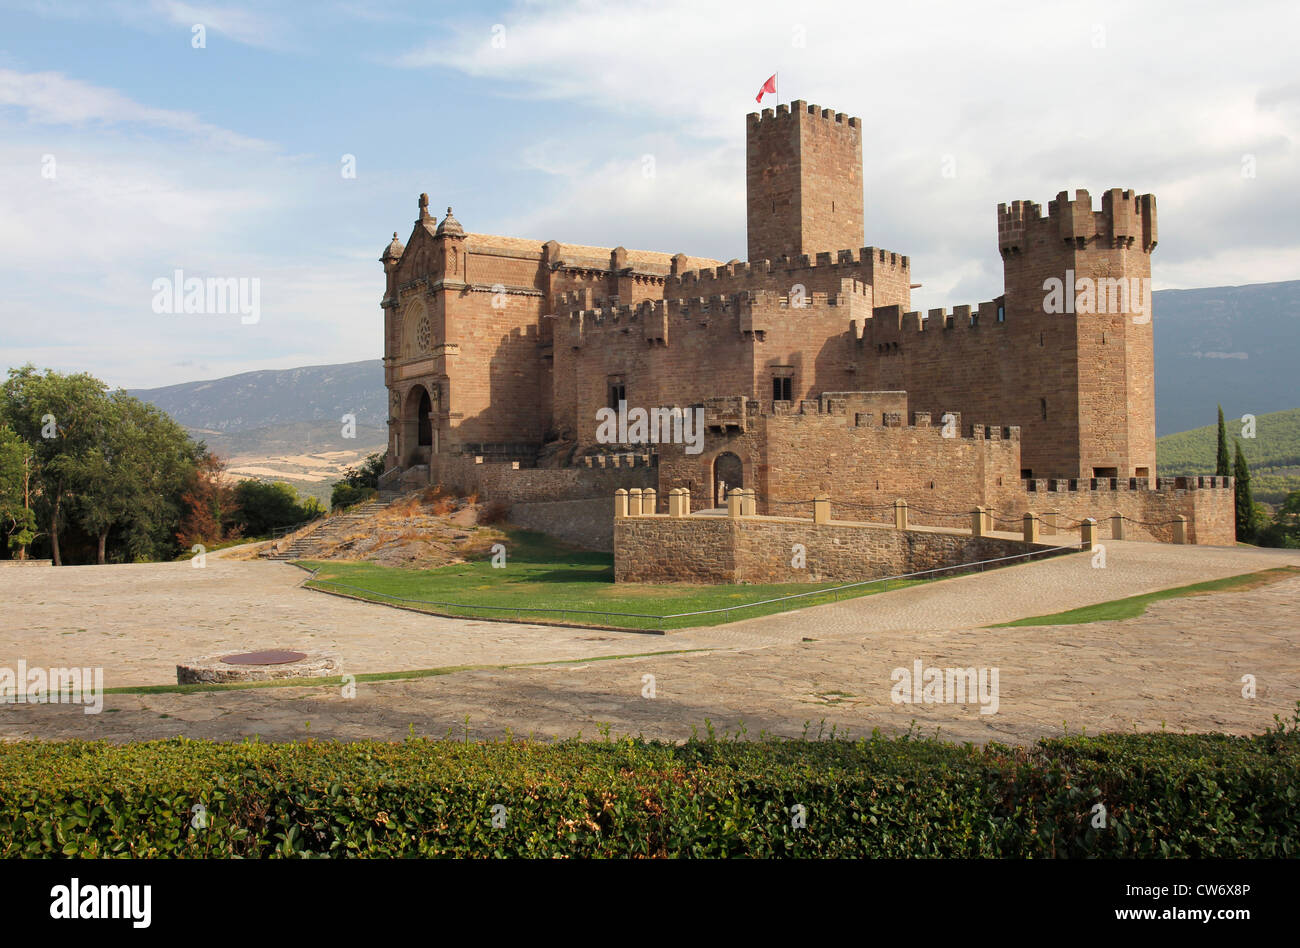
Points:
[279,533]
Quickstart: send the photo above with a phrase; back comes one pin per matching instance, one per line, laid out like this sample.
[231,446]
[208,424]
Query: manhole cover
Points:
[275,656]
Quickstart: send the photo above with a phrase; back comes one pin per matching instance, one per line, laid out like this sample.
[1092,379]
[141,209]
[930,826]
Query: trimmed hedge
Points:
[1165,795]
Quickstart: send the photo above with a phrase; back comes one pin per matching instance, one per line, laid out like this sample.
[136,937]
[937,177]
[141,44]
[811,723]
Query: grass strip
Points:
[1134,606]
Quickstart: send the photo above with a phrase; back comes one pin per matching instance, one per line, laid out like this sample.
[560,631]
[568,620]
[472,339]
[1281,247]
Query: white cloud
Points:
[241,25]
[51,98]
[82,240]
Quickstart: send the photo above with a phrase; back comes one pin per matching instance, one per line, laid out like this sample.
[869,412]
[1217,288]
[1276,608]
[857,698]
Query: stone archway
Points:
[728,473]
[417,427]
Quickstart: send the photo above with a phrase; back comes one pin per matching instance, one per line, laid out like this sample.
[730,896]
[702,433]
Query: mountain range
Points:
[285,424]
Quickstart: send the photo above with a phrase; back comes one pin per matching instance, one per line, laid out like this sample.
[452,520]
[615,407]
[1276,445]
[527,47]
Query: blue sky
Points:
[225,161]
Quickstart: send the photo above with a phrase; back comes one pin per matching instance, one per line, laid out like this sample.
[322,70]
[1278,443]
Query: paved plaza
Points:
[1178,667]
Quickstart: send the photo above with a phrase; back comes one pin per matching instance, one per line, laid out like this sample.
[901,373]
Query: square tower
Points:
[803,181]
[1078,293]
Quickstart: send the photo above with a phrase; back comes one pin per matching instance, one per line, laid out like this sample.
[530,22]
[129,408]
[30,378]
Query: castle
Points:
[809,367]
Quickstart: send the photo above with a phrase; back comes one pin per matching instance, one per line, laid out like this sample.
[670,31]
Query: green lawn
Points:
[542,574]
[1134,606]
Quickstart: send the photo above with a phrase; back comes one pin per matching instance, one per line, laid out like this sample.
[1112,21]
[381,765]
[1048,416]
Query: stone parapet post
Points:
[1031,527]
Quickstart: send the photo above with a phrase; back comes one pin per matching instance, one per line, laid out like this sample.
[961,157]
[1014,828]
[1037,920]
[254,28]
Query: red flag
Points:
[769,86]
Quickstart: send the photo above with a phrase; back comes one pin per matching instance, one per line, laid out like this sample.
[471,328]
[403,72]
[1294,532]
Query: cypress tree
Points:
[1221,464]
[1245,502]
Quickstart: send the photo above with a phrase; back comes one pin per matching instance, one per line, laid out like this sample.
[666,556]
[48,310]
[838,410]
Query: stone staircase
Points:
[316,539]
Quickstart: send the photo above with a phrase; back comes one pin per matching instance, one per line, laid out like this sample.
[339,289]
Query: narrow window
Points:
[617,393]
[782,389]
[1002,314]
[1042,403]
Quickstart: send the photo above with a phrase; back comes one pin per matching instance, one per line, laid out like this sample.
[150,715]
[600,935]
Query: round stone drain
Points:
[264,665]
[274,656]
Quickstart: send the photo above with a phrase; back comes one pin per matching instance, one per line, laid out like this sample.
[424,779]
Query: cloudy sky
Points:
[139,138]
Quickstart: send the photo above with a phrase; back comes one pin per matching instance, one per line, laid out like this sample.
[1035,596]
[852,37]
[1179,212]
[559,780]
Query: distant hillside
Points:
[277,397]
[284,425]
[1273,454]
[1238,346]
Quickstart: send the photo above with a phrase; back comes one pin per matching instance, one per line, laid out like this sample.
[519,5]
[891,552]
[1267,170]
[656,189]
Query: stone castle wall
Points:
[503,481]
[681,352]
[713,549]
[857,450]
[585,523]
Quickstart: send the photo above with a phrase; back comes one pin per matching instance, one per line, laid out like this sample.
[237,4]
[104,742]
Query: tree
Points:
[208,504]
[132,478]
[1221,464]
[104,463]
[1245,504]
[60,416]
[1285,528]
[264,506]
[17,518]
[358,483]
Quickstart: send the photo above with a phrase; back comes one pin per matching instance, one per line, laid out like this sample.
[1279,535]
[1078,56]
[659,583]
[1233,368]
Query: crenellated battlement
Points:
[1125,220]
[742,412]
[869,265]
[1049,486]
[581,308]
[888,324]
[760,269]
[801,110]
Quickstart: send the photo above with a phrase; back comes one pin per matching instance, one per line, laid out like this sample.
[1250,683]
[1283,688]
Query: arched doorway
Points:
[417,427]
[426,422]
[728,474]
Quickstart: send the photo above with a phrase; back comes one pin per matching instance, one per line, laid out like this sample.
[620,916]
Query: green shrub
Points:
[1165,795]
[265,505]
[343,495]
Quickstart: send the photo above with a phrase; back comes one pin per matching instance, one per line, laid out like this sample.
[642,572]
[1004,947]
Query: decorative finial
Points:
[424,200]
[449,210]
